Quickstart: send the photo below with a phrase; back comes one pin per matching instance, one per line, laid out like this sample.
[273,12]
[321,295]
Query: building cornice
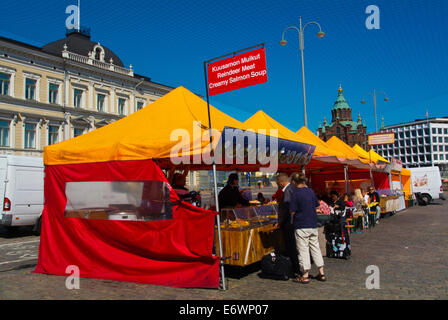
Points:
[416,122]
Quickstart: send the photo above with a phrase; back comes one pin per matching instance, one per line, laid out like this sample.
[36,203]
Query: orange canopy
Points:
[376,157]
[337,144]
[145,134]
[321,146]
[362,153]
[260,120]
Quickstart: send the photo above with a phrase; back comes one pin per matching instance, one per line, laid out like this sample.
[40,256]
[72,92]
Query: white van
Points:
[21,191]
[428,182]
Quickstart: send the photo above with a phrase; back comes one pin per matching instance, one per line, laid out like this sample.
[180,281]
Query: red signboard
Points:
[240,71]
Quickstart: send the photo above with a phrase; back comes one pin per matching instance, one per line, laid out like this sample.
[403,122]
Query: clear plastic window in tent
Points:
[249,217]
[119,200]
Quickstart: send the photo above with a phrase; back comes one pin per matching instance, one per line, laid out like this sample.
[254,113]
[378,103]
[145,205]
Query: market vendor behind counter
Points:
[230,196]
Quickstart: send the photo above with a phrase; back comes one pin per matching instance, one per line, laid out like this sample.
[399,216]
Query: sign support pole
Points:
[372,182]
[218,218]
[215,185]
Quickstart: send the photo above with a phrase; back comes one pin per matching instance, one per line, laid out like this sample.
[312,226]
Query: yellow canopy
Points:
[145,134]
[322,149]
[337,144]
[260,120]
[376,157]
[361,152]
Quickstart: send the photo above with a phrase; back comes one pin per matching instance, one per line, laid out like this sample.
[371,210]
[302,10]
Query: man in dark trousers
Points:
[284,221]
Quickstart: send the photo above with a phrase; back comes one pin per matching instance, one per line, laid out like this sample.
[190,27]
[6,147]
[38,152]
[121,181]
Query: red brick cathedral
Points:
[342,126]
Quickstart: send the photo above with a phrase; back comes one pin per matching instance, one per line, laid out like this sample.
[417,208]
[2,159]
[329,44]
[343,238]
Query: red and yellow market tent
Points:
[145,134]
[176,251]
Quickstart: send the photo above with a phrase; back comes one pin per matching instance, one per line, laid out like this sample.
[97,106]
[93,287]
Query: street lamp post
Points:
[283,42]
[363,101]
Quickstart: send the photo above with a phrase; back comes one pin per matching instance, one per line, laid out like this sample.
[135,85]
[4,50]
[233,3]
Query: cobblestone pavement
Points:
[410,249]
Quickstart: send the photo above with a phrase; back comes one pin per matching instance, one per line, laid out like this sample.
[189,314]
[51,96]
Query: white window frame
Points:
[9,132]
[74,128]
[102,53]
[12,73]
[36,133]
[83,97]
[126,104]
[54,124]
[32,76]
[58,83]
[106,94]
[137,100]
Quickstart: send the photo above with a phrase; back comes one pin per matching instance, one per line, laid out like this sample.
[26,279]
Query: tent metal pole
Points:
[401,184]
[345,178]
[218,218]
[390,181]
[372,182]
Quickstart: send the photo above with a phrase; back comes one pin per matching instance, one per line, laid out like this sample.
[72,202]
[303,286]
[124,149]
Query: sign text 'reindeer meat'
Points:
[243,70]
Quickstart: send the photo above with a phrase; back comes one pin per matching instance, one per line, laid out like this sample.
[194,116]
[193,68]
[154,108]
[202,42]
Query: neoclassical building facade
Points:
[64,89]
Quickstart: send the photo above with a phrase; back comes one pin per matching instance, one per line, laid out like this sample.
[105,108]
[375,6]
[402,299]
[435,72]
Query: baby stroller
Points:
[337,237]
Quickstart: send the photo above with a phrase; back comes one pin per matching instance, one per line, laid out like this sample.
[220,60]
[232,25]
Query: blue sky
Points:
[169,40]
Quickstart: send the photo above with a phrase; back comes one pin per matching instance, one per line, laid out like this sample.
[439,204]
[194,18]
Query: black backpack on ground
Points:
[337,239]
[275,266]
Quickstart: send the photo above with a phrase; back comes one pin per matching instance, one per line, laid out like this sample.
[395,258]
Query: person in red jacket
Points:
[277,196]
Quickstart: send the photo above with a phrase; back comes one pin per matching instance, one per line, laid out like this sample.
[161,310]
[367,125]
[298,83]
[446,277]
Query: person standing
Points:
[374,197]
[284,221]
[230,196]
[303,211]
[337,202]
[178,184]
[277,196]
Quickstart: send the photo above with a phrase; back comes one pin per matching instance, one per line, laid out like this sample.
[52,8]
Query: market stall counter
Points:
[248,233]
[392,203]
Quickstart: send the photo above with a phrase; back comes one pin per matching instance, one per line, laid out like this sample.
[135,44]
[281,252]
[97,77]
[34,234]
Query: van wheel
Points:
[38,226]
[426,198]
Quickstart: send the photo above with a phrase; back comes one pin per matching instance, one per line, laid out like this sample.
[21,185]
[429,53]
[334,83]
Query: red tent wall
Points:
[381,180]
[176,252]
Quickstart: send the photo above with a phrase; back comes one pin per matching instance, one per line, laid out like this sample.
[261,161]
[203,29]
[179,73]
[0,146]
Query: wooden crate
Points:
[245,247]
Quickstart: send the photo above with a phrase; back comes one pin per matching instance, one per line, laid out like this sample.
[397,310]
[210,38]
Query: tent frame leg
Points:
[218,218]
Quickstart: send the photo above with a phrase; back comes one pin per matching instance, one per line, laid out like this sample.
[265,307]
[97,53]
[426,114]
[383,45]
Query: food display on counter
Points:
[249,233]
[249,217]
